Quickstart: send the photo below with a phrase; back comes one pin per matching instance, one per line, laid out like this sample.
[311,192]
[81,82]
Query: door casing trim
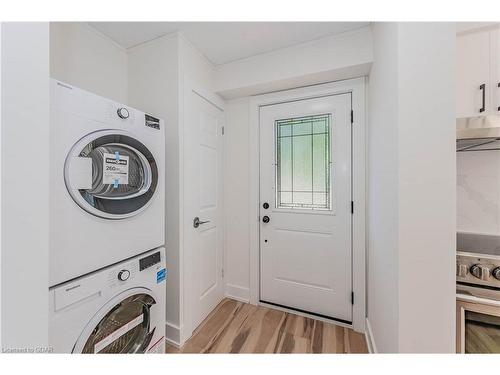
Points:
[357,88]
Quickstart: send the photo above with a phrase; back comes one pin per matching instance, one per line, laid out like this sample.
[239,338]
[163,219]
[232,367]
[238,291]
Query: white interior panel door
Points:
[203,189]
[305,212]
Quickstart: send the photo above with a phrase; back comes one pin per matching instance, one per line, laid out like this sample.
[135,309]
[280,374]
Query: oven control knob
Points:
[123,113]
[123,275]
[462,270]
[496,273]
[481,272]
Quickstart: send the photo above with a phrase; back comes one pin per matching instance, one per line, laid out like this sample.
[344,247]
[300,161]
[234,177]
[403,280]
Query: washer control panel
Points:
[124,273]
[149,261]
[127,271]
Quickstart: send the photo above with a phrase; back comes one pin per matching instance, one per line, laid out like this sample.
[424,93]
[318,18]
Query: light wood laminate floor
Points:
[236,327]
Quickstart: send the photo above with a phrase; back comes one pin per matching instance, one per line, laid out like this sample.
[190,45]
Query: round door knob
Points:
[123,113]
[123,275]
[265,205]
[481,272]
[496,273]
[265,219]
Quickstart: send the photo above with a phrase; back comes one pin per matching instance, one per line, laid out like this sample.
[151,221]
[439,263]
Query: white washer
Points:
[107,182]
[119,309]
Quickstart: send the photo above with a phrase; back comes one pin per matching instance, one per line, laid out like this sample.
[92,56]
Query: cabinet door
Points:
[495,71]
[473,70]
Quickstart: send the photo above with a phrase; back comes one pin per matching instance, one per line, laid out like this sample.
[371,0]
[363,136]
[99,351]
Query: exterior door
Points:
[204,208]
[305,205]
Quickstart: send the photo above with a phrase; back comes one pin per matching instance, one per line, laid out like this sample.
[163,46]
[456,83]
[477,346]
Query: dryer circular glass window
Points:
[124,329]
[111,174]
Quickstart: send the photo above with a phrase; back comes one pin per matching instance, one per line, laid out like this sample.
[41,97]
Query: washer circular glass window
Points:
[126,328]
[111,175]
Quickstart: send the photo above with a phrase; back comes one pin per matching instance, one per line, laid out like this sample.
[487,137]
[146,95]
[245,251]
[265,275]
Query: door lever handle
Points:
[197,222]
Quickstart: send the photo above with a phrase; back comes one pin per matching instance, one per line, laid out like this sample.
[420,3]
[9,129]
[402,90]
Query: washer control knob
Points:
[123,275]
[123,113]
[481,272]
[496,273]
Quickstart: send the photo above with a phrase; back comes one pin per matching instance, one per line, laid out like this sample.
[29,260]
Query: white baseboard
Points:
[173,334]
[370,340]
[238,293]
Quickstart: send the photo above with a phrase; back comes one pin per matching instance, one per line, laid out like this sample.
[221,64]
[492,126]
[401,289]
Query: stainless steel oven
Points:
[478,293]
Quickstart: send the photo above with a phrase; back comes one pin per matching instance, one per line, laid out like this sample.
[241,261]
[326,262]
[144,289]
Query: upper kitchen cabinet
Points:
[495,69]
[473,74]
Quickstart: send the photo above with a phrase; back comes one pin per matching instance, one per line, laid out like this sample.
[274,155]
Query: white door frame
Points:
[357,88]
[186,259]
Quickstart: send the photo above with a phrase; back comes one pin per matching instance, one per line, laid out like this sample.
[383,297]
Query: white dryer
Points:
[119,309]
[107,182]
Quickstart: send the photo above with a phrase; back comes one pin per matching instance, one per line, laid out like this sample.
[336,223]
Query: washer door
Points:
[110,174]
[124,328]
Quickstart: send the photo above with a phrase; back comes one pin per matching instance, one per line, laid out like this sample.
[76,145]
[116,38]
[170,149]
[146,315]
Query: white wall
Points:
[0,186]
[156,74]
[427,187]
[153,81]
[25,185]
[412,236]
[193,64]
[237,192]
[81,56]
[383,195]
[337,57]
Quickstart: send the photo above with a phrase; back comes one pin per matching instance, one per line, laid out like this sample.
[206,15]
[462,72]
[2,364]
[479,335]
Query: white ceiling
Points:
[222,42]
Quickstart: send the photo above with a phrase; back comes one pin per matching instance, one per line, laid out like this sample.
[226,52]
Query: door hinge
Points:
[352,116]
[352,298]
[222,130]
[352,207]
[222,272]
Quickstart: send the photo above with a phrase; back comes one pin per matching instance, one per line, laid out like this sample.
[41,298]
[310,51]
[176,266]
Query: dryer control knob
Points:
[123,113]
[123,275]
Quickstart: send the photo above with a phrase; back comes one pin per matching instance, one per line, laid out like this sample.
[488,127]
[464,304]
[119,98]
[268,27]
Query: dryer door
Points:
[110,174]
[123,326]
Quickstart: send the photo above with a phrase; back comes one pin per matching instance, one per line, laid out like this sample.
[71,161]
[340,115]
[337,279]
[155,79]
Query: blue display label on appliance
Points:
[161,275]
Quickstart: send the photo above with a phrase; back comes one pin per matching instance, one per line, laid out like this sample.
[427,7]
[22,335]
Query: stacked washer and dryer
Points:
[107,223]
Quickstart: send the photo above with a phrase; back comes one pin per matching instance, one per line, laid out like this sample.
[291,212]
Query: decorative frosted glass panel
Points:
[303,163]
